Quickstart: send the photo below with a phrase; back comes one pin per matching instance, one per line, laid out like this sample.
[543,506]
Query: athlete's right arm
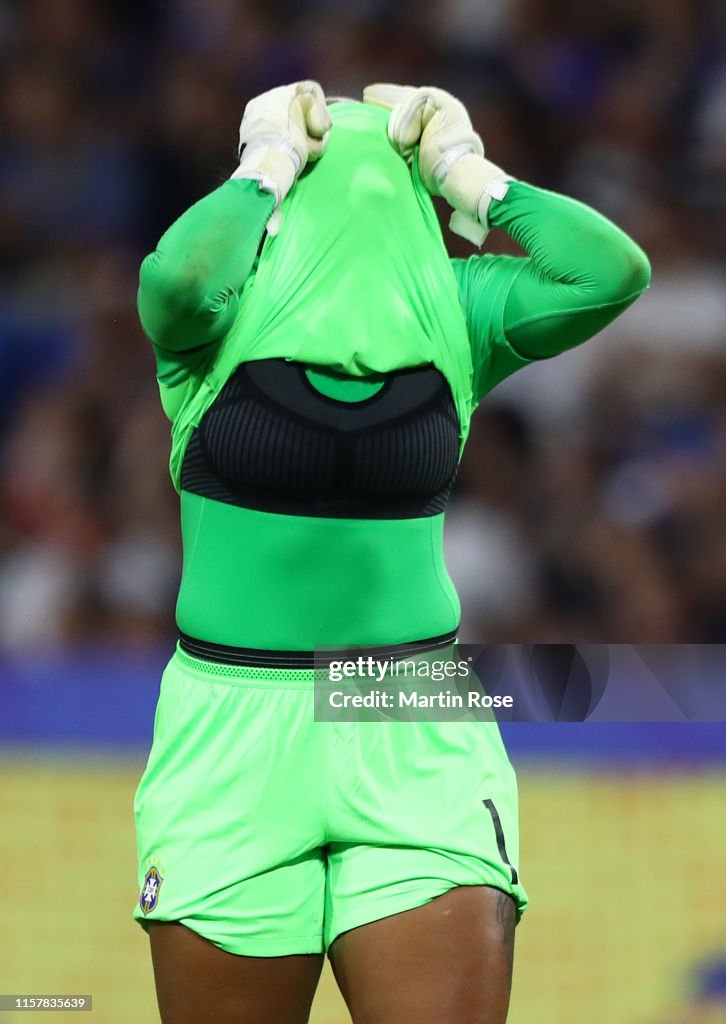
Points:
[189,287]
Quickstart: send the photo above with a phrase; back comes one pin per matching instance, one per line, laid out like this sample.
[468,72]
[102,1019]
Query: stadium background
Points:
[590,506]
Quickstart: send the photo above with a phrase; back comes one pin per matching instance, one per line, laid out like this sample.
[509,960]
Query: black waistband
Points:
[255,657]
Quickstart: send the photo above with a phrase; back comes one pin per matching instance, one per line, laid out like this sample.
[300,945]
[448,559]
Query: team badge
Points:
[150,890]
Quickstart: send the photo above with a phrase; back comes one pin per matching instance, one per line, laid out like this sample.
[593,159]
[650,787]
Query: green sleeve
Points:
[189,287]
[580,271]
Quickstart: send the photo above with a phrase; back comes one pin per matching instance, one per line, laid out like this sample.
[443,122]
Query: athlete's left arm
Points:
[580,272]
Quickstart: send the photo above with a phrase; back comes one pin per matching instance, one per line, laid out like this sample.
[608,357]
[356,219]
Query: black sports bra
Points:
[272,441]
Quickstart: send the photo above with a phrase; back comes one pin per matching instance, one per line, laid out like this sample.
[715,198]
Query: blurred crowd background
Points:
[591,503]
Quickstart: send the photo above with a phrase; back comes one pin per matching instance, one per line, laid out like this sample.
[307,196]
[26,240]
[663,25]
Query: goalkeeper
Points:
[320,357]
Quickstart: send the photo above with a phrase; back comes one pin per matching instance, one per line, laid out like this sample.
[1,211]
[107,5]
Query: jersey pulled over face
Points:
[358,278]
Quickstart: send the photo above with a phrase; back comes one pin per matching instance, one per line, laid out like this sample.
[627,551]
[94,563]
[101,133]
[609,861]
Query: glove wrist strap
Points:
[470,187]
[274,167]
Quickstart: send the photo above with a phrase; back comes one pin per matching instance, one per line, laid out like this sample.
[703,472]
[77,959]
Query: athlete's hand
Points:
[450,153]
[280,131]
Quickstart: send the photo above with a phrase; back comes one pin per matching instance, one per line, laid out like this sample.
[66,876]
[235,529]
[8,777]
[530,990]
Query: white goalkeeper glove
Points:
[280,131]
[451,155]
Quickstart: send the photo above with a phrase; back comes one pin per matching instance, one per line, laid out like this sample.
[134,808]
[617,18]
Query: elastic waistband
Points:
[305,661]
[218,671]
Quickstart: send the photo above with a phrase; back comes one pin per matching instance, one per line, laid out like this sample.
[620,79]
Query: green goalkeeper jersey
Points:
[320,384]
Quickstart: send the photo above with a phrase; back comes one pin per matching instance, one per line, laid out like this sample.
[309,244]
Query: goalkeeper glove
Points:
[280,131]
[450,153]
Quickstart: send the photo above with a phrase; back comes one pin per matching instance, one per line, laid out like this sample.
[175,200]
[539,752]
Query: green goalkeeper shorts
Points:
[269,833]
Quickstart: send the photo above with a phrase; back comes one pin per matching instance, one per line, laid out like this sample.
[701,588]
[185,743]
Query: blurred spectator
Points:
[591,502]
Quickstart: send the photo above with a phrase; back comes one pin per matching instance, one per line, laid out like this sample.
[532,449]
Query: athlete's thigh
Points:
[198,983]
[446,962]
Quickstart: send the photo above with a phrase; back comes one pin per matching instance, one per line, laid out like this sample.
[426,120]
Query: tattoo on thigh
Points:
[506,918]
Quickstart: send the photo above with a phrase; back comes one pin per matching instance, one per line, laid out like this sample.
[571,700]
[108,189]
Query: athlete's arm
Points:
[580,272]
[190,285]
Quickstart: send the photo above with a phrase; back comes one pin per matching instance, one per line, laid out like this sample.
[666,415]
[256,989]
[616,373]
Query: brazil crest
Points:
[150,890]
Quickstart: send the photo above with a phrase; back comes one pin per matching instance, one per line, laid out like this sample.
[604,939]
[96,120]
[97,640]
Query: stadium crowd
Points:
[592,499]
